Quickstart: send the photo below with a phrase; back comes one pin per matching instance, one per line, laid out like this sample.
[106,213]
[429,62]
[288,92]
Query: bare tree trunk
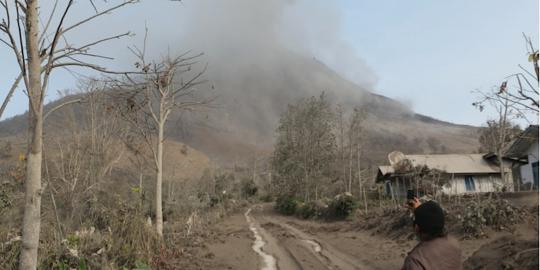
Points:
[254,167]
[502,138]
[359,171]
[350,168]
[141,188]
[365,199]
[342,145]
[306,177]
[379,195]
[159,178]
[32,207]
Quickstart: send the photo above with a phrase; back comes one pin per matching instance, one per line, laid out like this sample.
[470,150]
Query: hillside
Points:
[251,97]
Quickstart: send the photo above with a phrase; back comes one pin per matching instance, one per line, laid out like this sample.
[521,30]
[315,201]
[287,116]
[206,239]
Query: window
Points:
[469,183]
[388,188]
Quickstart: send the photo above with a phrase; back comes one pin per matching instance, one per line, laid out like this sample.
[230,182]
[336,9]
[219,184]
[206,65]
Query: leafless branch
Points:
[10,94]
[67,29]
[70,51]
[20,40]
[78,100]
[50,61]
[46,27]
[94,6]
[92,66]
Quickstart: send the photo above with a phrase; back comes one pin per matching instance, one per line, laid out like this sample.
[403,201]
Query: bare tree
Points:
[355,134]
[520,90]
[80,150]
[341,139]
[37,55]
[516,98]
[500,132]
[495,138]
[156,94]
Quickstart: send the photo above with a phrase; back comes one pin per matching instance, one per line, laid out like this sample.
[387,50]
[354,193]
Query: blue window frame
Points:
[388,188]
[469,183]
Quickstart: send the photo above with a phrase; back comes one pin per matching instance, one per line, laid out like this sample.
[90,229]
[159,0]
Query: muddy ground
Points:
[293,243]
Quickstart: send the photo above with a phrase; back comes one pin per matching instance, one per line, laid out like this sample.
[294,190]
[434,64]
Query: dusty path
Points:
[332,248]
[261,239]
[268,260]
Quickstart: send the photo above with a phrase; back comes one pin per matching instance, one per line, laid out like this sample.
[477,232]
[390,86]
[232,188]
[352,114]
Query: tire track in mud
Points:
[268,260]
[295,249]
[271,247]
[322,256]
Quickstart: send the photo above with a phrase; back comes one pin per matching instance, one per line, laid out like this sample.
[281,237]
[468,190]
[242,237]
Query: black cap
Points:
[429,216]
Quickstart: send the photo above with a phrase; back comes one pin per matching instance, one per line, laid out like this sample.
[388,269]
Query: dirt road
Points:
[261,239]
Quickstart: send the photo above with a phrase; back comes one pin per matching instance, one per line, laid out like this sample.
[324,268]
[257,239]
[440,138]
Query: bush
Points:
[114,234]
[341,206]
[5,200]
[249,189]
[266,198]
[287,205]
[313,209]
[498,214]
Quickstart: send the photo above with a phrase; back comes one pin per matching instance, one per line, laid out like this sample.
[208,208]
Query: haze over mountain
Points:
[261,58]
[252,97]
[264,55]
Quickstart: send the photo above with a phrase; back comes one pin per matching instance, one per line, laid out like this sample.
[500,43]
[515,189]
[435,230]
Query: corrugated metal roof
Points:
[455,163]
[449,163]
[518,149]
[386,170]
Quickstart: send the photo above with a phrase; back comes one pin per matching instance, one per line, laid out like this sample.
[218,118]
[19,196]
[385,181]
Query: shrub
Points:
[249,189]
[287,205]
[341,206]
[5,200]
[498,214]
[115,234]
[266,198]
[313,209]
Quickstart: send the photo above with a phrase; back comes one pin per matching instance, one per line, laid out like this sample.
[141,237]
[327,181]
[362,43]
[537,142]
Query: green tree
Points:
[305,148]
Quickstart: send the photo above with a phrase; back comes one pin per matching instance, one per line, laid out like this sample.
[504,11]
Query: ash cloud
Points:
[247,32]
[263,55]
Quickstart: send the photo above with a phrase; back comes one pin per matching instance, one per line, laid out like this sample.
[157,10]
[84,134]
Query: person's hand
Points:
[414,203]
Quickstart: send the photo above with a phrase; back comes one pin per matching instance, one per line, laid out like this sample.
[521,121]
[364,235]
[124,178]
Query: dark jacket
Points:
[442,253]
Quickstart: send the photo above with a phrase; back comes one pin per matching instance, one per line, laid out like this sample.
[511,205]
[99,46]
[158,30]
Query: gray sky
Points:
[428,54]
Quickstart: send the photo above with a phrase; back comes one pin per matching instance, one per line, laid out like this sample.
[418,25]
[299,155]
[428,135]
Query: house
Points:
[456,173]
[524,154]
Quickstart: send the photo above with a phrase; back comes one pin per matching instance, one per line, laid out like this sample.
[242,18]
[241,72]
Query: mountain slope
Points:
[251,97]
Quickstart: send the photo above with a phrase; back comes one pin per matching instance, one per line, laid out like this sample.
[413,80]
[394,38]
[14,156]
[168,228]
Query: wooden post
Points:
[392,193]
[397,187]
[379,194]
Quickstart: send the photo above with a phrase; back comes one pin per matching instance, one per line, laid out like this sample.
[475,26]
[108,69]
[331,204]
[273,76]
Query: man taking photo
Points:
[436,251]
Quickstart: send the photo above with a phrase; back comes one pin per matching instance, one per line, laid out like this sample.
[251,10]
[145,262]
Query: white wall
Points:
[526,170]
[482,184]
